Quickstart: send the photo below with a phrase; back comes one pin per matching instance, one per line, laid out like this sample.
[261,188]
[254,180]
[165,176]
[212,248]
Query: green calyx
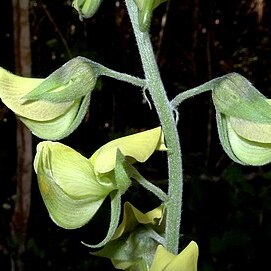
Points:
[234,96]
[72,81]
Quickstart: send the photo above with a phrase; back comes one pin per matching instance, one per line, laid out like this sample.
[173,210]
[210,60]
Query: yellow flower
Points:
[53,107]
[185,261]
[74,187]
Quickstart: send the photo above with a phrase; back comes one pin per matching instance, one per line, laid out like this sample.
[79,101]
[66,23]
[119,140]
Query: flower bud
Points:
[53,107]
[145,10]
[86,8]
[243,119]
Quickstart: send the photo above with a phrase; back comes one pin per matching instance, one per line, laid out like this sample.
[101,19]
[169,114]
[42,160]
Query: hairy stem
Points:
[193,91]
[163,108]
[102,70]
[146,184]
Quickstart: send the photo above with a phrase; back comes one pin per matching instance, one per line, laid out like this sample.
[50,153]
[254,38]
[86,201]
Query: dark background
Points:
[227,207]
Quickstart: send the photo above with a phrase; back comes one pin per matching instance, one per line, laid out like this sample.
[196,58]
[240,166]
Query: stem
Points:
[163,108]
[146,184]
[192,92]
[102,70]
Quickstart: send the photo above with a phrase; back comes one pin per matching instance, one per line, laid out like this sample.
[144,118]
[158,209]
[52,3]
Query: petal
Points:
[185,261]
[249,152]
[65,211]
[61,126]
[13,88]
[253,131]
[69,170]
[223,132]
[132,217]
[139,146]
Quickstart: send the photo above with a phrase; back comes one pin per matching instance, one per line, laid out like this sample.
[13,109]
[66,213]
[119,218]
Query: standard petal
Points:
[249,152]
[13,88]
[69,170]
[139,146]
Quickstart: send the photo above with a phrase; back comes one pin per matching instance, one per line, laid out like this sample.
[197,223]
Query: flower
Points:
[53,107]
[145,10]
[74,187]
[134,243]
[185,261]
[243,119]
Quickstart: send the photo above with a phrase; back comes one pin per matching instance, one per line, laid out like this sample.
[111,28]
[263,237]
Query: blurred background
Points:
[227,207]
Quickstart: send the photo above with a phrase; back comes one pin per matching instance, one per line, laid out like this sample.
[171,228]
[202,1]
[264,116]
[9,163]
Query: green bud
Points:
[243,119]
[145,10]
[86,8]
[53,107]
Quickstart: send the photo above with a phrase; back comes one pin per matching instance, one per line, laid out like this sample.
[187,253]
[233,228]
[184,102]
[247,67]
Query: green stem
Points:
[102,70]
[193,91]
[165,113]
[146,184]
